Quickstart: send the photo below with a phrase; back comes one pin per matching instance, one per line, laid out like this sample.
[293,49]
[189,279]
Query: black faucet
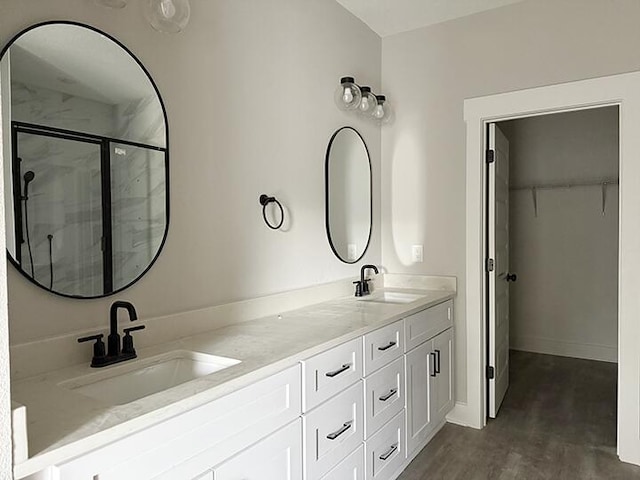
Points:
[113,341]
[362,286]
[116,352]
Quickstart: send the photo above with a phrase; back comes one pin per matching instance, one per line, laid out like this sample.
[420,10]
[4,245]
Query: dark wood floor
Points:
[558,421]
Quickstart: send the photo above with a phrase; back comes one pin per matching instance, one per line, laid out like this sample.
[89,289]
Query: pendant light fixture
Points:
[168,16]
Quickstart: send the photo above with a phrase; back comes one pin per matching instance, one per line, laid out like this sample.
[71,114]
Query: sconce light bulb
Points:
[168,8]
[364,104]
[378,112]
[347,97]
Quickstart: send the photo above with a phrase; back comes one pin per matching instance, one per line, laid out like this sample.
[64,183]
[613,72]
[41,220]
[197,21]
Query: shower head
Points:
[28,178]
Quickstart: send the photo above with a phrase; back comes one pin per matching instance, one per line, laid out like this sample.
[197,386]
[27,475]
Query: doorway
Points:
[552,244]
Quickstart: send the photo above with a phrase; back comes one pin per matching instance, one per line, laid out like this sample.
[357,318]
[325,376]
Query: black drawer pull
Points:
[346,426]
[437,361]
[389,452]
[433,362]
[391,393]
[387,347]
[344,368]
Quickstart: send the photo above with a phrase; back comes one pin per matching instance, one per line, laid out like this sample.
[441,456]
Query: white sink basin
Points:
[135,379]
[391,297]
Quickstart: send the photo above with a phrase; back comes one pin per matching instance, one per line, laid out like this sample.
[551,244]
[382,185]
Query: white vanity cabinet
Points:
[190,444]
[429,381]
[277,457]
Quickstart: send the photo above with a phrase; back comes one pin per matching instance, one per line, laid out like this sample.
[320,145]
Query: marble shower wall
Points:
[65,196]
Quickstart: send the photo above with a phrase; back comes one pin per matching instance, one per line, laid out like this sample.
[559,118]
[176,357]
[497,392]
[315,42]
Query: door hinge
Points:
[490,372]
[490,264]
[490,156]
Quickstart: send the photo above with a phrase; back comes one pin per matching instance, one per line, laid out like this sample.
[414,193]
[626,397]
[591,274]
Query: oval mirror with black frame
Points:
[87,184]
[348,206]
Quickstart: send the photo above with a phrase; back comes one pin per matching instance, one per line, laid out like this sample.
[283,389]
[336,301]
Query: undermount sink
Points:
[391,297]
[131,381]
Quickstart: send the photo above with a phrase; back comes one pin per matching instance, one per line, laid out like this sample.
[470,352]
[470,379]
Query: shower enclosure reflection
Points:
[86,190]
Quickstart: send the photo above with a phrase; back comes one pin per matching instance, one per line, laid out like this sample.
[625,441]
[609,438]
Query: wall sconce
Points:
[350,96]
[167,16]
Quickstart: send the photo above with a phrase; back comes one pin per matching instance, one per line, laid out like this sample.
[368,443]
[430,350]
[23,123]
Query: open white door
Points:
[498,268]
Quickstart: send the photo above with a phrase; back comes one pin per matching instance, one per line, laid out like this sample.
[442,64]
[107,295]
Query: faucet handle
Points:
[127,340]
[358,285]
[99,355]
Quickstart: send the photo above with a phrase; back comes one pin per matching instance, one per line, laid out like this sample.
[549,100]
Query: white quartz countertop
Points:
[63,424]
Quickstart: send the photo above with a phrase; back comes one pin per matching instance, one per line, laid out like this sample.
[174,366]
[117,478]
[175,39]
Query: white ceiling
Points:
[388,17]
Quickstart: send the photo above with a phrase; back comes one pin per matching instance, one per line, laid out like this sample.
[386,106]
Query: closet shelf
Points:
[602,183]
[551,186]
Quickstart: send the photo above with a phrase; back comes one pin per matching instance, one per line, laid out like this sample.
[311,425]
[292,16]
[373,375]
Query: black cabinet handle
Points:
[389,452]
[344,368]
[345,426]
[437,361]
[386,397]
[387,347]
[433,362]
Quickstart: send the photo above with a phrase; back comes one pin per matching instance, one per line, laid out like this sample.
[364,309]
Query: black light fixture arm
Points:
[266,200]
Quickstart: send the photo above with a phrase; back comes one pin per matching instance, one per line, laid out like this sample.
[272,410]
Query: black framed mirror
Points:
[86,172]
[348,201]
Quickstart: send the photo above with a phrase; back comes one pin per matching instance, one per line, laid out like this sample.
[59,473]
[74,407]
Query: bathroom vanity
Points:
[346,388]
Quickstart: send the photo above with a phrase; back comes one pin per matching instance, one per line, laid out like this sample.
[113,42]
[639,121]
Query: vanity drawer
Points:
[351,468]
[384,452]
[330,372]
[384,396]
[383,346]
[332,431]
[426,324]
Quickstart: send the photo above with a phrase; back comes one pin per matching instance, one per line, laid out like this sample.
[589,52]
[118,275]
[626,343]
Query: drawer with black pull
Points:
[332,431]
[330,372]
[383,396]
[383,346]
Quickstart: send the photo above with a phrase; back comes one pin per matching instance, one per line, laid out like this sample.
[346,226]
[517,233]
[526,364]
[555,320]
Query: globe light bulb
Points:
[347,95]
[168,16]
[368,102]
[382,113]
[378,112]
[168,8]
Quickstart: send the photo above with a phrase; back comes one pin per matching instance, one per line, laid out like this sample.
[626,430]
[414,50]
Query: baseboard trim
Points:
[463,415]
[550,346]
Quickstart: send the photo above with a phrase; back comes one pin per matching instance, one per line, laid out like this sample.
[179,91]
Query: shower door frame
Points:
[105,193]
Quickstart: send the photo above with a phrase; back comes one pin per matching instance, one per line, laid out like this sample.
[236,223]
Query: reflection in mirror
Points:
[348,195]
[86,190]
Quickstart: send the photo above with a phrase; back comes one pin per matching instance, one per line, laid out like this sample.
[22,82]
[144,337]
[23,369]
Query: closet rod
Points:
[550,186]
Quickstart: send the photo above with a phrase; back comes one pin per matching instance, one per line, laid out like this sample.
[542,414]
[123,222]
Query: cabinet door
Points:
[442,383]
[419,369]
[277,457]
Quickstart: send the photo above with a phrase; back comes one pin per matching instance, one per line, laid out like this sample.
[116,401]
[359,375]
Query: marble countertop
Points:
[63,424]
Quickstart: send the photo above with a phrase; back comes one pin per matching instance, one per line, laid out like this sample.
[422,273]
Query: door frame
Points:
[618,90]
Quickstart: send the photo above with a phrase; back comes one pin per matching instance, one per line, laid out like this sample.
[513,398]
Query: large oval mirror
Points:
[86,171]
[348,195]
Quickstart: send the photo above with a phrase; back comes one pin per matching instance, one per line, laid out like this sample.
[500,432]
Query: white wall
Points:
[429,72]
[249,93]
[6,446]
[565,301]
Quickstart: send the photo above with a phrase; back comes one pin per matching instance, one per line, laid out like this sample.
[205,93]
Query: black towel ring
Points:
[266,200]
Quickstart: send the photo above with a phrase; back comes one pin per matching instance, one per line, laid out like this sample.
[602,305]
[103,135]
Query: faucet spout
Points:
[113,341]
[363,282]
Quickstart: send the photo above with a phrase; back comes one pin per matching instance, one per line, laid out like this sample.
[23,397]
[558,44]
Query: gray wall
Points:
[565,301]
[248,88]
[427,75]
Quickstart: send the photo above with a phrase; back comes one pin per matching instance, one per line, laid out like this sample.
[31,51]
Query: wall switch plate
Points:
[351,251]
[416,253]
